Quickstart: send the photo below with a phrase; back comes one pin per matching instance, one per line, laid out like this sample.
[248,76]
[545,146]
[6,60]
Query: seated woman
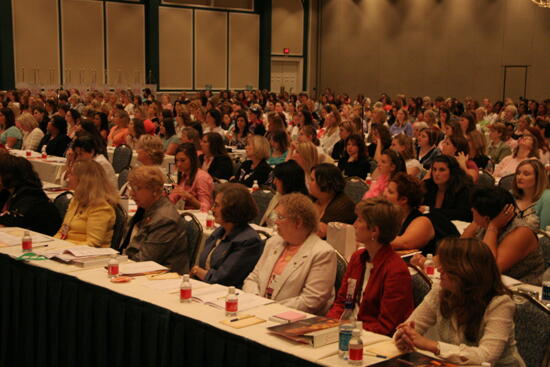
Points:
[91,216]
[256,167]
[150,151]
[531,194]
[279,148]
[30,130]
[457,146]
[170,140]
[214,158]
[11,137]
[156,232]
[333,205]
[84,147]
[389,164]
[136,129]
[497,148]
[477,146]
[418,231]
[527,148]
[190,135]
[24,204]
[213,122]
[339,150]
[377,279]
[403,145]
[308,134]
[355,162]
[330,132]
[514,245]
[401,124]
[119,132]
[471,294]
[240,133]
[288,177]
[427,150]
[56,140]
[448,189]
[297,268]
[195,186]
[233,249]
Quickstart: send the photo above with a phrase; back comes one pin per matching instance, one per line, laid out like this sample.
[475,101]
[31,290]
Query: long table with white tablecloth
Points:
[53,314]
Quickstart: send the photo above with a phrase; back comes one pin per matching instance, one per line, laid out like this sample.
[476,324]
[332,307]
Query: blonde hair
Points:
[149,177]
[299,206]
[152,145]
[379,212]
[260,146]
[308,151]
[93,185]
[27,121]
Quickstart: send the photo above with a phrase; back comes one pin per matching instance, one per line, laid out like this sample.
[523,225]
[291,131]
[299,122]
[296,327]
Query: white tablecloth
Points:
[48,169]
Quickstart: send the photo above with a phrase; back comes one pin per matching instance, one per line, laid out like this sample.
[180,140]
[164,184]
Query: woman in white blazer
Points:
[296,268]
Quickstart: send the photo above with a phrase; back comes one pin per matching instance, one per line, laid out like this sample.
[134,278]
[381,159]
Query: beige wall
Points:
[426,47]
[83,57]
[35,34]
[125,44]
[244,50]
[210,49]
[175,48]
[287,24]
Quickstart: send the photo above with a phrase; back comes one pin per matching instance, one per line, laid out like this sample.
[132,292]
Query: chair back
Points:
[262,199]
[341,266]
[485,178]
[507,181]
[62,202]
[421,284]
[121,219]
[355,188]
[123,177]
[532,325]
[122,157]
[194,231]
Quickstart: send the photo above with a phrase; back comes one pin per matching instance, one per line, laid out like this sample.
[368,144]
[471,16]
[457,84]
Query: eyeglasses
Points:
[276,216]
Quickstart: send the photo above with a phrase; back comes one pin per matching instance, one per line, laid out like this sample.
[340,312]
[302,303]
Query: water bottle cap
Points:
[356,332]
[231,290]
[185,277]
[430,256]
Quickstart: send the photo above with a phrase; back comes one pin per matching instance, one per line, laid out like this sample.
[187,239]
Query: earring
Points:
[373,238]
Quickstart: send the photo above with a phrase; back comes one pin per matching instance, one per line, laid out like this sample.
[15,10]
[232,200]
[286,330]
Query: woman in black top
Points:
[357,163]
[339,149]
[418,231]
[214,158]
[448,189]
[255,168]
[56,140]
[23,203]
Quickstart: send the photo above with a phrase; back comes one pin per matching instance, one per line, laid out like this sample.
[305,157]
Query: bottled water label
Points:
[344,338]
[546,292]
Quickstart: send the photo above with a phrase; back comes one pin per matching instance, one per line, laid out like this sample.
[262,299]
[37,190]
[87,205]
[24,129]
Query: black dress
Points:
[56,146]
[360,168]
[441,225]
[247,175]
[29,207]
[221,167]
[455,206]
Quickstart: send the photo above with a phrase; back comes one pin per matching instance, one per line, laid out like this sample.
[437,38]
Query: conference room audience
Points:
[32,135]
[84,147]
[40,114]
[376,277]
[119,132]
[149,150]
[339,150]
[23,203]
[305,154]
[213,122]
[403,144]
[190,135]
[156,231]
[10,136]
[214,158]
[477,146]
[427,149]
[330,132]
[297,269]
[233,249]
[90,216]
[56,140]
[239,134]
[401,124]
[471,310]
[194,186]
[530,190]
[255,168]
[101,122]
[136,129]
[288,177]
[333,205]
[279,147]
[514,245]
[170,140]
[448,189]
[355,162]
[418,231]
[457,146]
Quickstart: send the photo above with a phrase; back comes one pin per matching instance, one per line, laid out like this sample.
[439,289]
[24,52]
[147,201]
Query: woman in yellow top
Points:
[91,216]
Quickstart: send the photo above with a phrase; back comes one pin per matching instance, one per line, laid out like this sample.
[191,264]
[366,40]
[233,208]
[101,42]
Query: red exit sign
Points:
[286,51]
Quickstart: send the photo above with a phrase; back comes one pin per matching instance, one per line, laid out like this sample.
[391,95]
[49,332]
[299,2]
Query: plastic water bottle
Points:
[185,289]
[26,242]
[355,348]
[231,302]
[210,220]
[255,186]
[112,267]
[369,179]
[44,154]
[546,286]
[429,266]
[347,321]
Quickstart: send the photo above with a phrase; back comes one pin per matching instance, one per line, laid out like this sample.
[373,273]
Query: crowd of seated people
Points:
[425,158]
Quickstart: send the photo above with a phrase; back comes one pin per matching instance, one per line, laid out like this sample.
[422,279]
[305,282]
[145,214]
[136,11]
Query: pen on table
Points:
[243,317]
[374,354]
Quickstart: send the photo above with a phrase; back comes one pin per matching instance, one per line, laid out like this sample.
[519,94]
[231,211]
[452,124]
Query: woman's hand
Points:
[462,159]
[413,339]
[198,272]
[181,192]
[418,260]
[505,215]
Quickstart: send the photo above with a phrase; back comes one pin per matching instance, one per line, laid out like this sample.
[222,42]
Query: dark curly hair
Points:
[409,187]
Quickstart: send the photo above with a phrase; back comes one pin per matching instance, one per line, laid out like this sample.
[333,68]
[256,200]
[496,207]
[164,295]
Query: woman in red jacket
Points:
[383,290]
